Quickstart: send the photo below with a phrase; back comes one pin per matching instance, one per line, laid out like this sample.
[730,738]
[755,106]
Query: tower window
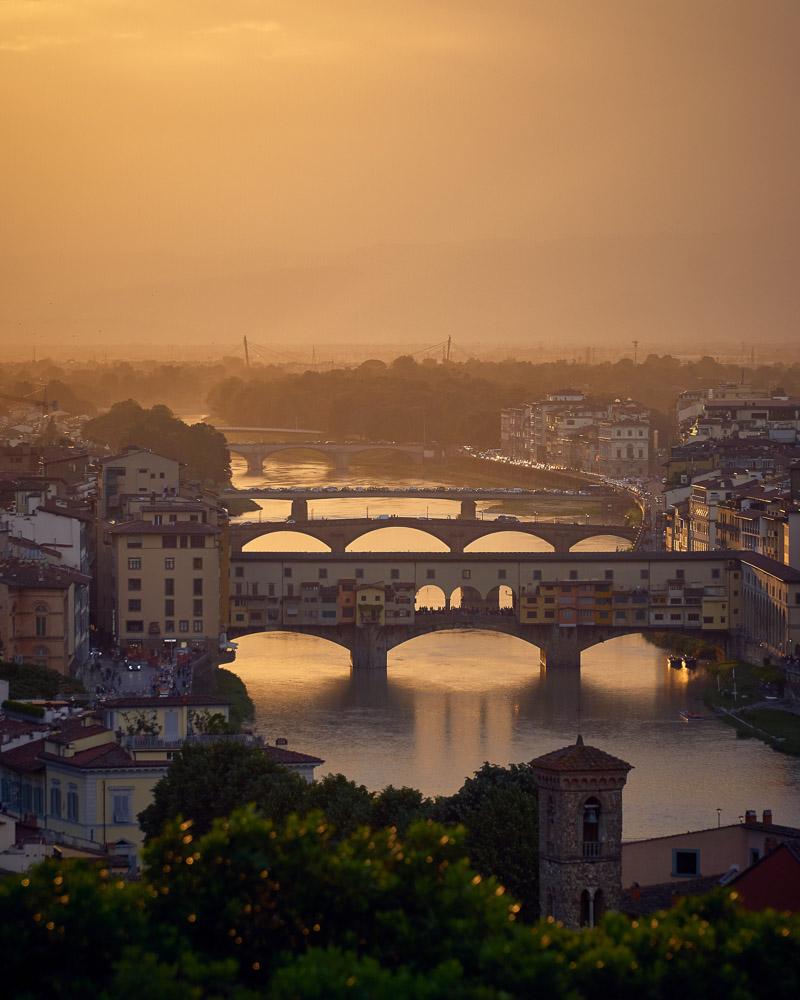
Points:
[591,828]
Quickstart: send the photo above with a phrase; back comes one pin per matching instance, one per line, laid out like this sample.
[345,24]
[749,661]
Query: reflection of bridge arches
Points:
[509,540]
[392,539]
[286,541]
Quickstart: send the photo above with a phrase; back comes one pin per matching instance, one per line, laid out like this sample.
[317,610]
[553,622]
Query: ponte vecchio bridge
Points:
[563,603]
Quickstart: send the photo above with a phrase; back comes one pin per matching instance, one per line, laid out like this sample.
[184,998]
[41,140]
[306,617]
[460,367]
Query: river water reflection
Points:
[450,701]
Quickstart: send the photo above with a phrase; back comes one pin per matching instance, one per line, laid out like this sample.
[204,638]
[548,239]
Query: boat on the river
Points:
[676,662]
[690,662]
[688,716]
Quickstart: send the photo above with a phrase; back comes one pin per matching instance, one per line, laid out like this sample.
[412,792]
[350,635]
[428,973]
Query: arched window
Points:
[591,828]
[586,909]
[41,609]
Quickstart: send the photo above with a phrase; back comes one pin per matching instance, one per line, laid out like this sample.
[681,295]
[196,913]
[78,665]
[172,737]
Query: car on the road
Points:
[134,665]
[507,518]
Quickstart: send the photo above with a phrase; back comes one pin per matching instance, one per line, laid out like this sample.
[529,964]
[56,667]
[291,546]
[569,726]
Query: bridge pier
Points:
[341,461]
[255,464]
[561,651]
[369,649]
[300,509]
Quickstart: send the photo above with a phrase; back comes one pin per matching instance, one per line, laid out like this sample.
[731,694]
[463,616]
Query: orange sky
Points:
[375,169]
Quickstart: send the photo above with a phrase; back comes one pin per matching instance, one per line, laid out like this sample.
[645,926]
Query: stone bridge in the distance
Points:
[255,454]
[456,533]
[370,645]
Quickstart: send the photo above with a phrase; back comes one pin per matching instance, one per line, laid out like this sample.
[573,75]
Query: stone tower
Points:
[580,833]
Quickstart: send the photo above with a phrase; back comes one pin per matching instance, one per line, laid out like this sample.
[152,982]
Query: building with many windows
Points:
[43,614]
[168,565]
[570,430]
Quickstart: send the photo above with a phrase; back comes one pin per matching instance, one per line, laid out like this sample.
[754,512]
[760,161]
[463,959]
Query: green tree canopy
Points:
[499,808]
[200,447]
[256,908]
[211,780]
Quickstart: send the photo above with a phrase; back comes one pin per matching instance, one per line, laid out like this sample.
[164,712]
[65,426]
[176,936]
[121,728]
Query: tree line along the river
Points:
[452,403]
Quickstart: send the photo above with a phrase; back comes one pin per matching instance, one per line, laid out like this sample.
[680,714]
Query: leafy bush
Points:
[23,708]
[28,681]
[256,908]
[231,688]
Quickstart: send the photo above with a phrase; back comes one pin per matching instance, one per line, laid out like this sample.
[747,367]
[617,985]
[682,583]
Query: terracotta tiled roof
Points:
[280,755]
[24,758]
[72,730]
[105,755]
[80,513]
[11,728]
[638,901]
[578,757]
[26,573]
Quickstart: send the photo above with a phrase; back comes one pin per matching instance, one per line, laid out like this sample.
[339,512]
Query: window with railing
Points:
[591,828]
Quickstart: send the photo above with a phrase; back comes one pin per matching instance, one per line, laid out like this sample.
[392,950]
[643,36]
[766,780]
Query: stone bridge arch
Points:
[279,534]
[514,536]
[621,541]
[431,595]
[334,636]
[421,533]
[466,596]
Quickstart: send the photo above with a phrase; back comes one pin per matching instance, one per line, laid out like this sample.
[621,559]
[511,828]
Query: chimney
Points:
[767,820]
[751,816]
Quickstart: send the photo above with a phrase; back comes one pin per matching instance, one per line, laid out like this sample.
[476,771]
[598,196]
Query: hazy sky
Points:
[356,169]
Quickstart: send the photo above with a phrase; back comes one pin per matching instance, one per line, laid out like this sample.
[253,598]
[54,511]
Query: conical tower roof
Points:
[579,757]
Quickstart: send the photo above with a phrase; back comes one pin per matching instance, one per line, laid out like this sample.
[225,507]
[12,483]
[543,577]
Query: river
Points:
[449,702]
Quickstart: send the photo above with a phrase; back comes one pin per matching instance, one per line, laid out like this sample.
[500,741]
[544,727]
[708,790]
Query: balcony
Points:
[592,849]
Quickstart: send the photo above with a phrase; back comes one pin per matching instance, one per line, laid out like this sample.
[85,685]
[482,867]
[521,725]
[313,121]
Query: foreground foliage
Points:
[498,806]
[254,908]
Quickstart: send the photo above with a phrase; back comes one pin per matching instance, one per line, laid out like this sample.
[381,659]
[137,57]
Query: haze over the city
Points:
[366,172]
